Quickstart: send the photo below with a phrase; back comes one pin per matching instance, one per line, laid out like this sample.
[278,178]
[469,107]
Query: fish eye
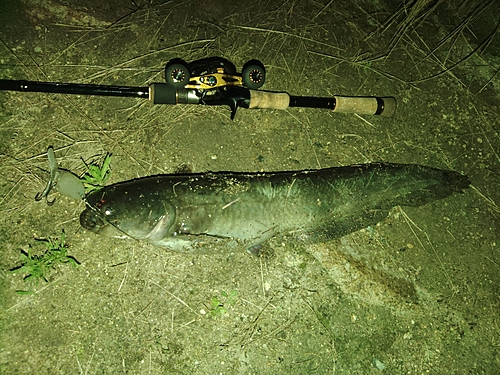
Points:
[108,211]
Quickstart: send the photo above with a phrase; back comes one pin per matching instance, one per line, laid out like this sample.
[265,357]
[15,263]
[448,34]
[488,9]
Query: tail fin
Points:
[423,185]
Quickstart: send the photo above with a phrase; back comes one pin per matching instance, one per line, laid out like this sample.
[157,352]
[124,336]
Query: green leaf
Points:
[96,175]
[37,267]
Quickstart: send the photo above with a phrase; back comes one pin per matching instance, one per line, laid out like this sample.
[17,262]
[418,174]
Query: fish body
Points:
[177,210]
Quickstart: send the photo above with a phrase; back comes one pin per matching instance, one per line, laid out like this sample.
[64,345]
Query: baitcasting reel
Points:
[213,72]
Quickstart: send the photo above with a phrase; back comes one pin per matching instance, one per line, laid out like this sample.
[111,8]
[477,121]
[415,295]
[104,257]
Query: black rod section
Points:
[74,88]
[312,102]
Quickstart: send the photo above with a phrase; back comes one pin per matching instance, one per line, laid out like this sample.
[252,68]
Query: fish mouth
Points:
[91,221]
[152,230]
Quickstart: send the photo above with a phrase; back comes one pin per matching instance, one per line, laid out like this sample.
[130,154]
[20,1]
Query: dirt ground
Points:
[416,294]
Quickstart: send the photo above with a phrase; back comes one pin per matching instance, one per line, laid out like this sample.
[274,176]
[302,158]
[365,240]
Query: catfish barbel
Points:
[179,210]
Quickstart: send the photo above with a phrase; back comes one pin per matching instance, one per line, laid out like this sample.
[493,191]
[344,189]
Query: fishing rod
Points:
[214,81]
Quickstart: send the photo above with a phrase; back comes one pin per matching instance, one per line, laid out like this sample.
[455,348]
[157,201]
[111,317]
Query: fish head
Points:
[93,221]
[126,215]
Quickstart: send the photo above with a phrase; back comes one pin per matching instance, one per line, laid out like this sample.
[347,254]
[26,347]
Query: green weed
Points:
[96,175]
[38,267]
[219,306]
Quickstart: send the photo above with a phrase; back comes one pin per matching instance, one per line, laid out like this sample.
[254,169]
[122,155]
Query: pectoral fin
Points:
[341,226]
